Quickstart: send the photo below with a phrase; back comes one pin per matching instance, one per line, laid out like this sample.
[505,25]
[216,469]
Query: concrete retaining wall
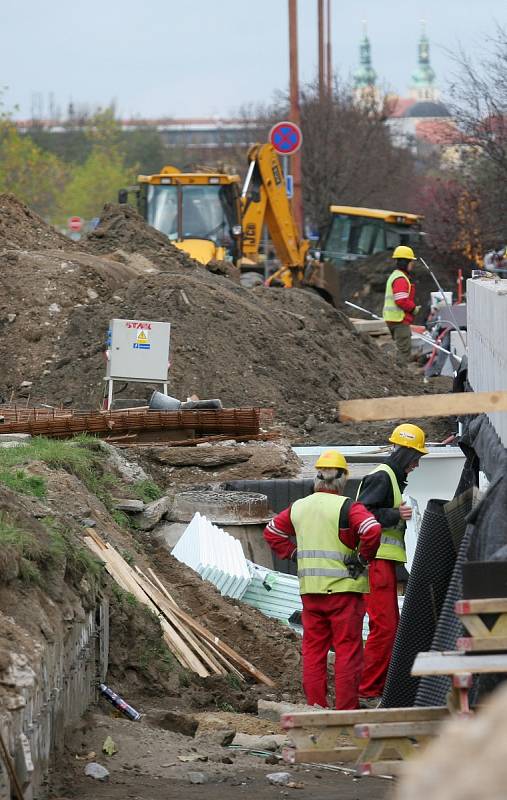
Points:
[487,342]
[51,698]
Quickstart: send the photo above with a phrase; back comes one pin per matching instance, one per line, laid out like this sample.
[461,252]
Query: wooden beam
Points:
[455,663]
[425,405]
[390,730]
[488,605]
[340,719]
[480,645]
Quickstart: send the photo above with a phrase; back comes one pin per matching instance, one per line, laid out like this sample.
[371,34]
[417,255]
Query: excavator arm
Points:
[264,202]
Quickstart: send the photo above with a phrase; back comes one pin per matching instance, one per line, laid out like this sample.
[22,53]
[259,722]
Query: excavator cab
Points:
[356,233]
[199,212]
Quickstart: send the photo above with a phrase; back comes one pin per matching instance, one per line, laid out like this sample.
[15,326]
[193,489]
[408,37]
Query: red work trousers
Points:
[382,609]
[332,620]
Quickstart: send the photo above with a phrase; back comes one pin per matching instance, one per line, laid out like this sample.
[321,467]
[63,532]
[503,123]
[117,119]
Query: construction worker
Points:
[333,539]
[381,493]
[399,302]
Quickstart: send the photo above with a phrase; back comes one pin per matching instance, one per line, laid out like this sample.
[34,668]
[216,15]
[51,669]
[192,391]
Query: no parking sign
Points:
[286,137]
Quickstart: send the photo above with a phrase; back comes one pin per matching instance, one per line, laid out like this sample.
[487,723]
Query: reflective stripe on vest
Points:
[320,553]
[392,540]
[391,312]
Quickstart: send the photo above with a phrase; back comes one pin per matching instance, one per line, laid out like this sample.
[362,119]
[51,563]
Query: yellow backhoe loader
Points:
[206,215]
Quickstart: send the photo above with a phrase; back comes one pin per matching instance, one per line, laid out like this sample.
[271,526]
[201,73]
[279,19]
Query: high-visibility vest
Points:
[391,312]
[320,553]
[392,540]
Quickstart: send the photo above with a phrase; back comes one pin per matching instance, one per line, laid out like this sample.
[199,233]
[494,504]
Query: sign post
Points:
[286,137]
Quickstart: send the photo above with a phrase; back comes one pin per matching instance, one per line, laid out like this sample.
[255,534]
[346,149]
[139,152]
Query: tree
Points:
[479,104]
[97,180]
[33,175]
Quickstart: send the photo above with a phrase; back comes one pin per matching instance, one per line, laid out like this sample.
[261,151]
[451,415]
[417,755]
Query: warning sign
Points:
[141,342]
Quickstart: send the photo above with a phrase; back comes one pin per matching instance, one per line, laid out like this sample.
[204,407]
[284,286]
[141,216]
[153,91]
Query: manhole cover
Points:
[240,508]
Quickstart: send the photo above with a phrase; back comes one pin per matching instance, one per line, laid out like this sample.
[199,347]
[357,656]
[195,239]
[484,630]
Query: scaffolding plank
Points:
[413,406]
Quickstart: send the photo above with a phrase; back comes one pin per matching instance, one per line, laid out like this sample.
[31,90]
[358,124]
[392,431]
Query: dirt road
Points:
[155,764]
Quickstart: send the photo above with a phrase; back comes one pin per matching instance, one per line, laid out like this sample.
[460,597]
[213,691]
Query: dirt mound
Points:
[268,347]
[122,230]
[283,349]
[40,290]
[20,227]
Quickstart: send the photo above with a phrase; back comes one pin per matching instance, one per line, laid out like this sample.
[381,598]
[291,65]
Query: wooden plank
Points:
[382,730]
[218,655]
[474,625]
[488,605]
[382,769]
[479,644]
[455,663]
[340,719]
[199,647]
[342,755]
[119,571]
[426,405]
[224,648]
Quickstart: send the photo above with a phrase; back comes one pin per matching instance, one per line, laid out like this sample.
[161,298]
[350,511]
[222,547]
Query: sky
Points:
[201,58]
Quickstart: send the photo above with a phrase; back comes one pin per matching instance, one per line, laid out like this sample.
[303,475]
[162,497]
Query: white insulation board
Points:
[215,555]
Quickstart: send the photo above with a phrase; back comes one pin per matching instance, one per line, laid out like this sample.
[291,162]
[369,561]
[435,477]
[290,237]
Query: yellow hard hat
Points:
[408,435]
[332,459]
[402,251]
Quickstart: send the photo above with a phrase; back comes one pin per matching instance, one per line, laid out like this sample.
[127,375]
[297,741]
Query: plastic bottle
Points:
[118,702]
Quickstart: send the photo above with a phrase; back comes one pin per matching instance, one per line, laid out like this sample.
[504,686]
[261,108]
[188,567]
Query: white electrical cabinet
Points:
[138,350]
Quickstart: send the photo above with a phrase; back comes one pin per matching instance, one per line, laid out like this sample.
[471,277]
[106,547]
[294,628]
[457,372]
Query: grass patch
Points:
[147,491]
[20,481]
[82,456]
[21,546]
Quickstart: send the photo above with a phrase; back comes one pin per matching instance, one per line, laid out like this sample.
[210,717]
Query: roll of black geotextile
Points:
[433,689]
[427,587]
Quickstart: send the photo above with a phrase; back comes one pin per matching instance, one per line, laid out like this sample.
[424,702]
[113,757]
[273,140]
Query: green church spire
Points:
[365,77]
[423,78]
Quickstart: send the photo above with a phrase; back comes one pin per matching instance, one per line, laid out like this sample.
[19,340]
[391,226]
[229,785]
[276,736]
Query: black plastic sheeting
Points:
[433,689]
[430,575]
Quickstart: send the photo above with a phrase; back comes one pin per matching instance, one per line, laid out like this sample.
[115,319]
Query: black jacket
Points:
[376,491]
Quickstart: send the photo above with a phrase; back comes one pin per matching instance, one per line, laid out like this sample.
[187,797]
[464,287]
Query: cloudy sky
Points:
[188,58]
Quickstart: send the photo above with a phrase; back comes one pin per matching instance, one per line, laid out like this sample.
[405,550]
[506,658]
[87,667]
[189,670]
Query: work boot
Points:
[369,702]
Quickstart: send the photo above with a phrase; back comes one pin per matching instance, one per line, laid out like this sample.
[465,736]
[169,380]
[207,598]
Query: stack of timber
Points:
[377,740]
[483,652]
[195,647]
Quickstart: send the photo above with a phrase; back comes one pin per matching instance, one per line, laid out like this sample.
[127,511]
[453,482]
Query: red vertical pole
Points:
[294,109]
[329,55]
[460,285]
[320,25]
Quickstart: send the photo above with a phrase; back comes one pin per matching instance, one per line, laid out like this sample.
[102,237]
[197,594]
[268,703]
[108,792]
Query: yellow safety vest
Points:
[392,540]
[320,553]
[391,312]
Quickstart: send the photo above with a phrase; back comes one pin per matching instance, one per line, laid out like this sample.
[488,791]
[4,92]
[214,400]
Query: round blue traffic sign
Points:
[286,138]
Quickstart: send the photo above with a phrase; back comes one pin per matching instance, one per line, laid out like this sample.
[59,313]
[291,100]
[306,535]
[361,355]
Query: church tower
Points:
[423,78]
[365,77]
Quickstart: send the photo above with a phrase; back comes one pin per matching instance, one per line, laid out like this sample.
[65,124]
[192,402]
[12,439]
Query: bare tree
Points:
[479,104]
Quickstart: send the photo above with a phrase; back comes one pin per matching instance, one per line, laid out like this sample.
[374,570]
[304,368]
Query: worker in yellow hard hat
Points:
[381,493]
[333,539]
[399,301]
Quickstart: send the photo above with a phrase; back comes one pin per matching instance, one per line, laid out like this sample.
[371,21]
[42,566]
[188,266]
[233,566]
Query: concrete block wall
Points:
[50,698]
[487,342]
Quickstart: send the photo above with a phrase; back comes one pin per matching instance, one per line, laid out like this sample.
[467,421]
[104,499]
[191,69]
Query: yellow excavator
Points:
[210,218]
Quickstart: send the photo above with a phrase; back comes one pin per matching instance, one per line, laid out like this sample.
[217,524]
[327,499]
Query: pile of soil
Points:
[288,350]
[22,228]
[122,230]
